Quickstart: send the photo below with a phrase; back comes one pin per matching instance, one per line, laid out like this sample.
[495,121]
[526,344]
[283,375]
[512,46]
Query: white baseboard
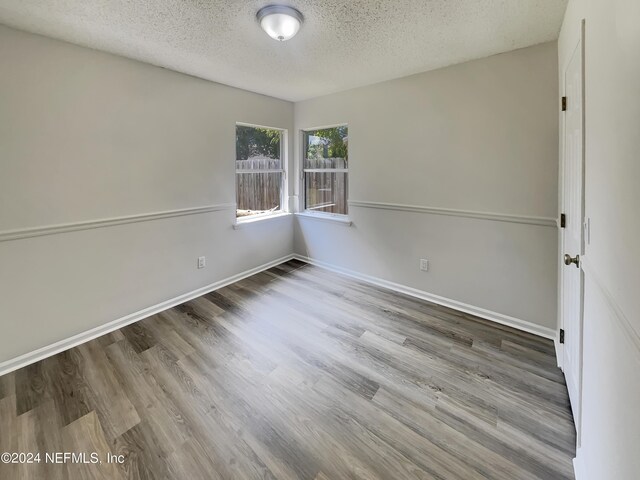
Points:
[62,345]
[578,467]
[559,351]
[447,302]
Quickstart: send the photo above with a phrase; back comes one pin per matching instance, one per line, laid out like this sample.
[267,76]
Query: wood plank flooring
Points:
[296,373]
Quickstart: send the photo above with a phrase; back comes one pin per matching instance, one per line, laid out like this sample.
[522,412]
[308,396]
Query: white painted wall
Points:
[610,439]
[86,135]
[480,136]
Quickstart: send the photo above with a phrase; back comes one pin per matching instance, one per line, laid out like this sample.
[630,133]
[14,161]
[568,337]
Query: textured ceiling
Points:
[342,44]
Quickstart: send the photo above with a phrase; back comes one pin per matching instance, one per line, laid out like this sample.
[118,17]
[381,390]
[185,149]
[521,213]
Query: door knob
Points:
[568,260]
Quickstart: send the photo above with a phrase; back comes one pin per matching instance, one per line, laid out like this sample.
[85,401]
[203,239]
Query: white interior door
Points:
[572,238]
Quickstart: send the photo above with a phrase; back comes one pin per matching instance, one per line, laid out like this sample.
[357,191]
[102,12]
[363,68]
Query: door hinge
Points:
[564,104]
[561,335]
[563,220]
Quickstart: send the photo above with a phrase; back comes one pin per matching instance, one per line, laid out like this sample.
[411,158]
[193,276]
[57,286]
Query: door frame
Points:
[579,42]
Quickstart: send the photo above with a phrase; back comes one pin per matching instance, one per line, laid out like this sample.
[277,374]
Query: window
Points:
[259,170]
[325,169]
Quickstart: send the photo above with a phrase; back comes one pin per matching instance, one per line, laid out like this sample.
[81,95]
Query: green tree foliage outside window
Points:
[257,142]
[328,143]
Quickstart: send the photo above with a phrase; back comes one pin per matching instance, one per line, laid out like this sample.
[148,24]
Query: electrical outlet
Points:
[424,264]
[202,262]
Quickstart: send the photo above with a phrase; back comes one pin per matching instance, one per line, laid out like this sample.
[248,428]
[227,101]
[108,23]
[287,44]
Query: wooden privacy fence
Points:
[326,191]
[259,183]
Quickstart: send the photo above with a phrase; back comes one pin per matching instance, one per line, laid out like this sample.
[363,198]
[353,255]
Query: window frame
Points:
[303,186]
[284,142]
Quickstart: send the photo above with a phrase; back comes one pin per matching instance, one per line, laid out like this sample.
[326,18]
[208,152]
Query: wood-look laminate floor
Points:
[296,373]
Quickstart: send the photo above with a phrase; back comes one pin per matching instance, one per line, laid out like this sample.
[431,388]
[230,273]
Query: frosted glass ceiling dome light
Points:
[280,22]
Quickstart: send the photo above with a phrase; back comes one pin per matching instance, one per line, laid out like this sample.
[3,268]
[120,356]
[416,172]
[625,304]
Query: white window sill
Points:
[246,221]
[323,217]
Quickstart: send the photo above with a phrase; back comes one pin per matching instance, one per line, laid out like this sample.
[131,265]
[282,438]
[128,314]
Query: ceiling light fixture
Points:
[280,22]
